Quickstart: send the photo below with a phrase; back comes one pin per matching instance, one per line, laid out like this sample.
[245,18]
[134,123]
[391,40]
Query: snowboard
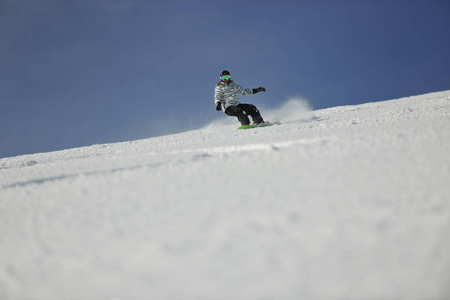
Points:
[265,124]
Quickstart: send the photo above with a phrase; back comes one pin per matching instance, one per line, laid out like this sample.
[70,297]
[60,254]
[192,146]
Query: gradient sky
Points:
[77,73]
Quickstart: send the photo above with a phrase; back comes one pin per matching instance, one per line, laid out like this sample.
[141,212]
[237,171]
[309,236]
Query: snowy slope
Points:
[343,203]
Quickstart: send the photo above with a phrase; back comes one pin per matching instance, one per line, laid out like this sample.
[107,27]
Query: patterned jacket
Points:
[226,93]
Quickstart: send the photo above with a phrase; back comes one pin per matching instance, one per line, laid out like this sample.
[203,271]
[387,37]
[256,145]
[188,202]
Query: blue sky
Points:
[77,73]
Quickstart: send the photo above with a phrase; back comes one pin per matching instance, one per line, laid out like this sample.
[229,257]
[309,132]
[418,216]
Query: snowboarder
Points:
[225,98]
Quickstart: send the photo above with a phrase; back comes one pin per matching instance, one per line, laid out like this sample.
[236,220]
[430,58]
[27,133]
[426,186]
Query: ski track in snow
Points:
[342,203]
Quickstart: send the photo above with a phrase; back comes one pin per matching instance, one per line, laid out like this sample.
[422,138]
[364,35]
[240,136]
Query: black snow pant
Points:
[241,111]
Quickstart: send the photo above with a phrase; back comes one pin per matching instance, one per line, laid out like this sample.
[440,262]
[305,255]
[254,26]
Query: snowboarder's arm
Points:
[218,95]
[243,91]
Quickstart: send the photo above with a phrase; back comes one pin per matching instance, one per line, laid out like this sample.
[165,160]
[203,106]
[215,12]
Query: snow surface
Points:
[342,203]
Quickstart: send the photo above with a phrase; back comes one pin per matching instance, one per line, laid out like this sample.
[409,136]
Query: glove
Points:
[218,106]
[260,89]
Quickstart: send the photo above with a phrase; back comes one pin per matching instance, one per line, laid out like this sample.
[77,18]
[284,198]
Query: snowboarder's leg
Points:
[238,112]
[252,111]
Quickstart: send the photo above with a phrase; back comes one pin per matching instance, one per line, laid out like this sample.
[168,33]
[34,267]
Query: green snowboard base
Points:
[256,126]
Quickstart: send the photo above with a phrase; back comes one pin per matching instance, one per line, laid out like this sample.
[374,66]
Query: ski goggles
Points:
[225,77]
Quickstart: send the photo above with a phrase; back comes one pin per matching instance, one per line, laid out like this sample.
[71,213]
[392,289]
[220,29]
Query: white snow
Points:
[349,202]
